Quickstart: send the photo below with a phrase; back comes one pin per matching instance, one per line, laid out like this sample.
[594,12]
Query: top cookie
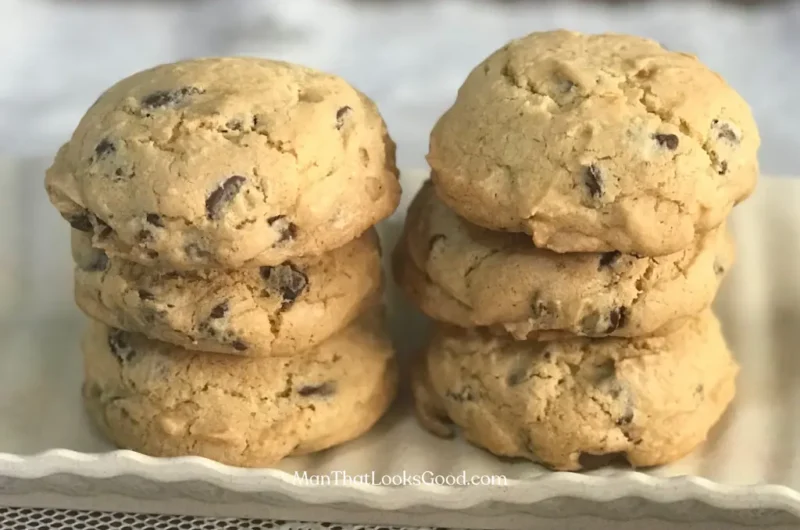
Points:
[226,162]
[594,143]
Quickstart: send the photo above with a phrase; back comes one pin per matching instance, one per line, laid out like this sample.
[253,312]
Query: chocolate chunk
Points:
[723,168]
[221,196]
[670,141]
[119,344]
[238,345]
[286,229]
[725,131]
[96,261]
[146,295]
[340,115]
[81,222]
[593,180]
[101,228]
[152,254]
[167,98]
[588,461]
[435,239]
[608,259]
[327,388]
[155,220]
[287,279]
[719,269]
[617,319]
[104,148]
[144,236]
[699,390]
[219,310]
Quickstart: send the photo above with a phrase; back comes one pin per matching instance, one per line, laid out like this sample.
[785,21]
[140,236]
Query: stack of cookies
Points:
[570,244]
[222,214]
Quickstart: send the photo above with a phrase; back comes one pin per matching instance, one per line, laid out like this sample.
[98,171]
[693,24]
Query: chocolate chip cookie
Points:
[578,403]
[595,143]
[162,400]
[267,310]
[460,273]
[226,162]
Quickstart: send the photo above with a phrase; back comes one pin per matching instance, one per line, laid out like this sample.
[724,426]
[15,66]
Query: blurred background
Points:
[56,56]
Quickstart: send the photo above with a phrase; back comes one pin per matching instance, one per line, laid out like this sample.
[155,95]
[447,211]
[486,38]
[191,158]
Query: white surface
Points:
[751,461]
[410,56]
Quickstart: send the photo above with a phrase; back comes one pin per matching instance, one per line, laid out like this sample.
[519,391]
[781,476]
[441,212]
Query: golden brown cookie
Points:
[161,400]
[460,273]
[226,162]
[563,404]
[595,143]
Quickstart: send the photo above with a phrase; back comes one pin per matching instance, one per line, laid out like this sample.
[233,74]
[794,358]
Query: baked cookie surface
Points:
[226,162]
[595,143]
[161,400]
[460,273]
[260,311]
[564,404]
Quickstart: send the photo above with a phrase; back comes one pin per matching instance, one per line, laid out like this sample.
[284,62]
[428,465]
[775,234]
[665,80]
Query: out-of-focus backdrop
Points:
[56,56]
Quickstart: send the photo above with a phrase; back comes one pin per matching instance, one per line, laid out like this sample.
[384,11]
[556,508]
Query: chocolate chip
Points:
[699,389]
[435,239]
[287,279]
[725,131]
[221,196]
[465,394]
[104,148]
[670,141]
[155,220]
[608,259]
[340,115]
[617,319]
[286,229]
[119,344]
[146,295]
[723,168]
[626,418]
[541,308]
[234,125]
[101,228]
[238,345]
[166,98]
[194,251]
[593,180]
[517,375]
[96,261]
[144,236]
[152,254]
[219,310]
[588,461]
[327,388]
[604,371]
[81,222]
[719,269]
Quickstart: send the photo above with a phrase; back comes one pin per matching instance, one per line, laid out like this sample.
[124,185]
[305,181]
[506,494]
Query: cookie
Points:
[595,143]
[267,310]
[162,400]
[460,273]
[226,162]
[575,404]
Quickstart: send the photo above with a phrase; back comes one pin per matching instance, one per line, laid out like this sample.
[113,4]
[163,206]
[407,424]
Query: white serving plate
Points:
[748,473]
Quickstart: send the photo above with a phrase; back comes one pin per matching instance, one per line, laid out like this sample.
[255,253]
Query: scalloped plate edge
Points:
[602,486]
